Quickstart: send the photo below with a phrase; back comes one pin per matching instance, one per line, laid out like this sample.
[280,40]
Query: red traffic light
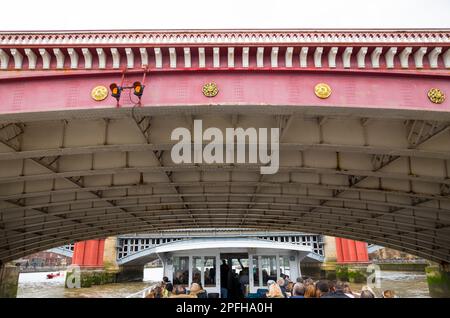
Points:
[138,89]
[115,91]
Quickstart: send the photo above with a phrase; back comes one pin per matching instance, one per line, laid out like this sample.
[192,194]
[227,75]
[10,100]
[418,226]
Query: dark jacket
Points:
[336,294]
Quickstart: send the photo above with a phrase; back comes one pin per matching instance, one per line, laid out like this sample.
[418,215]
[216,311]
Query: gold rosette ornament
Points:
[322,90]
[435,95]
[99,93]
[210,89]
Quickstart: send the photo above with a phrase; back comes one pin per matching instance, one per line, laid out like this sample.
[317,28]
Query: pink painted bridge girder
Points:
[24,92]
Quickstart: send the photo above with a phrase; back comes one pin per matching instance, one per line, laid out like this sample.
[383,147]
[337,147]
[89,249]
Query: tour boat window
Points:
[269,268]
[284,266]
[181,270]
[209,266]
[197,269]
[255,270]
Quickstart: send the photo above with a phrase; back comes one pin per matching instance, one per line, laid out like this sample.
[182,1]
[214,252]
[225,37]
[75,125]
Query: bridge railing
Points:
[130,246]
[314,241]
[142,293]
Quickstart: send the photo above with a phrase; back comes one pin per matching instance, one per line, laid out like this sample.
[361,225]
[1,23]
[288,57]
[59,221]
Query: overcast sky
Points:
[217,14]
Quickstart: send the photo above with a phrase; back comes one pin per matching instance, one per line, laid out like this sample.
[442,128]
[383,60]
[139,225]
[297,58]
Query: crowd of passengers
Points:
[282,288]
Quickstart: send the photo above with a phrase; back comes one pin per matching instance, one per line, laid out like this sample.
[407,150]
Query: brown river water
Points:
[36,285]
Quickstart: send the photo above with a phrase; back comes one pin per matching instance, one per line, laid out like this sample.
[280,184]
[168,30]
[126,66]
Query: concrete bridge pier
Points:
[327,269]
[9,280]
[123,273]
[130,273]
[438,278]
[97,262]
[345,260]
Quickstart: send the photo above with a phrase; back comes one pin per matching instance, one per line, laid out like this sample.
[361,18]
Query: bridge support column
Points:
[88,255]
[438,277]
[97,261]
[352,259]
[130,273]
[9,280]
[327,269]
[124,273]
[345,260]
[110,255]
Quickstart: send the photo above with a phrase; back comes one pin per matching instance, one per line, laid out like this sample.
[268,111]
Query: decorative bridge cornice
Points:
[251,49]
[226,37]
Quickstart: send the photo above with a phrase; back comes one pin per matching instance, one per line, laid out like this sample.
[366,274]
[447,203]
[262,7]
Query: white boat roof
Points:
[213,243]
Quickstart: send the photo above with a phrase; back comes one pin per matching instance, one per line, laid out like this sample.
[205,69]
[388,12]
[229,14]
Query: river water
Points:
[36,285]
[404,284]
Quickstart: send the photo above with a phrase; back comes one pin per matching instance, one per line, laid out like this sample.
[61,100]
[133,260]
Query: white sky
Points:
[222,14]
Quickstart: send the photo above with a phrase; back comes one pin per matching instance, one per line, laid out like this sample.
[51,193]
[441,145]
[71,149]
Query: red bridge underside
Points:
[26,91]
[89,253]
[349,251]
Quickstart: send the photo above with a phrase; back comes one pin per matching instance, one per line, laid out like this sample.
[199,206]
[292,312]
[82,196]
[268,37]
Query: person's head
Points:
[309,281]
[169,287]
[310,291]
[151,294]
[274,291]
[180,290]
[299,280]
[339,286]
[270,282]
[197,277]
[289,287]
[322,287]
[332,285]
[280,281]
[195,288]
[166,279]
[347,288]
[388,294]
[298,289]
[367,294]
[224,262]
[158,292]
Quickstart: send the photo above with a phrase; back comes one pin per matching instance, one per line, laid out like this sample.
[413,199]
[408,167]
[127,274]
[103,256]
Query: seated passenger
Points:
[310,291]
[168,289]
[196,290]
[156,292]
[338,291]
[389,294]
[274,291]
[280,283]
[289,288]
[367,292]
[180,292]
[298,291]
[348,290]
[323,289]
